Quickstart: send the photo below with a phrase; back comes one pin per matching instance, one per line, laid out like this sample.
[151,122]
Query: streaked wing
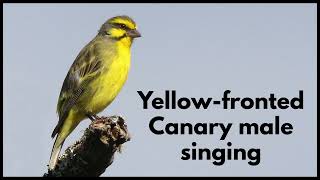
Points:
[84,69]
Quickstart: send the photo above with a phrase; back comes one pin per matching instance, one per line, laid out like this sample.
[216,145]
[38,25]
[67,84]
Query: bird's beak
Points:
[133,33]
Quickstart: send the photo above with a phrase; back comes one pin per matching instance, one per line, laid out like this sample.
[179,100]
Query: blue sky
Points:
[199,50]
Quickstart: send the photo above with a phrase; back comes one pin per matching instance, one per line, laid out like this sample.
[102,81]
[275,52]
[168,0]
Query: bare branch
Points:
[94,152]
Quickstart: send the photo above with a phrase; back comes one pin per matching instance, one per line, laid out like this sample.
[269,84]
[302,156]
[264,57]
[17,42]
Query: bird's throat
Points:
[125,41]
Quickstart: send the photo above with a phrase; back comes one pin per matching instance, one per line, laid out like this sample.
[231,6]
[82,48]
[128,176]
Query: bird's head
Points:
[120,28]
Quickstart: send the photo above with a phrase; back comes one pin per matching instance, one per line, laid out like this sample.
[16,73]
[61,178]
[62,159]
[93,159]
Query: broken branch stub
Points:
[94,152]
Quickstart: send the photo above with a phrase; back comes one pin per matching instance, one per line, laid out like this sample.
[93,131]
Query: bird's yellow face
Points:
[120,28]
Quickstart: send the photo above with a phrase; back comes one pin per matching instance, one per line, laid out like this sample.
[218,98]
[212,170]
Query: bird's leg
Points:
[96,116]
[90,117]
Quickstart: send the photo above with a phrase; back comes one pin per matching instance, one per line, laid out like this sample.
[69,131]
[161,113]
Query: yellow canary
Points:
[95,78]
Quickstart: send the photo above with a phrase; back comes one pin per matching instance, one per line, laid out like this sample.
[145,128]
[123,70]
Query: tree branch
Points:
[94,152]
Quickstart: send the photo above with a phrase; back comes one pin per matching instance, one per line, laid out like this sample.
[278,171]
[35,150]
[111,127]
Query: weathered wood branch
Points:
[94,152]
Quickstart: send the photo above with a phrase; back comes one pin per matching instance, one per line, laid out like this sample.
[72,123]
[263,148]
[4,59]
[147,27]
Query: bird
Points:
[95,78]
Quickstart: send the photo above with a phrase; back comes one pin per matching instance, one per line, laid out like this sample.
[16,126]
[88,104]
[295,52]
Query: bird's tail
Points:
[55,152]
[66,128]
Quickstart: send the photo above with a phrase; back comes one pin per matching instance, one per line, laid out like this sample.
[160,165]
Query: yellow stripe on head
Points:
[126,20]
[117,33]
[117,28]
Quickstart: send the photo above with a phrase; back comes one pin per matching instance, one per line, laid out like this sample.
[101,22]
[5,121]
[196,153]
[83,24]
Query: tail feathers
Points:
[55,131]
[55,153]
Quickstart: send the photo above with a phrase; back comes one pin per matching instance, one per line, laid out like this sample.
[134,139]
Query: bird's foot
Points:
[96,117]
[90,117]
[93,117]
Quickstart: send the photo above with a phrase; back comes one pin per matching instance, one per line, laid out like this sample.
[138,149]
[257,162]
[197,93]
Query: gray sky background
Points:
[198,50]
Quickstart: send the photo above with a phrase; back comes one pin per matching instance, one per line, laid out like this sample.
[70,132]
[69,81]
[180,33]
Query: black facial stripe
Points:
[120,25]
[118,38]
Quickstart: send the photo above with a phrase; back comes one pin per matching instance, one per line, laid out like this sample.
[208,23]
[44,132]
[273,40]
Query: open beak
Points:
[133,33]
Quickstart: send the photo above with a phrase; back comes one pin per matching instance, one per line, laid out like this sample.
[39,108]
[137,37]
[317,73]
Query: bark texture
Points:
[94,152]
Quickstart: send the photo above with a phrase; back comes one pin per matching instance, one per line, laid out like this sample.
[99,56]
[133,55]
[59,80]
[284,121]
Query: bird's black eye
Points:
[123,26]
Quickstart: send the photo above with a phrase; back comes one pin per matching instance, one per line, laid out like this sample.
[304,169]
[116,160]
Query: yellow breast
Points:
[110,82]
